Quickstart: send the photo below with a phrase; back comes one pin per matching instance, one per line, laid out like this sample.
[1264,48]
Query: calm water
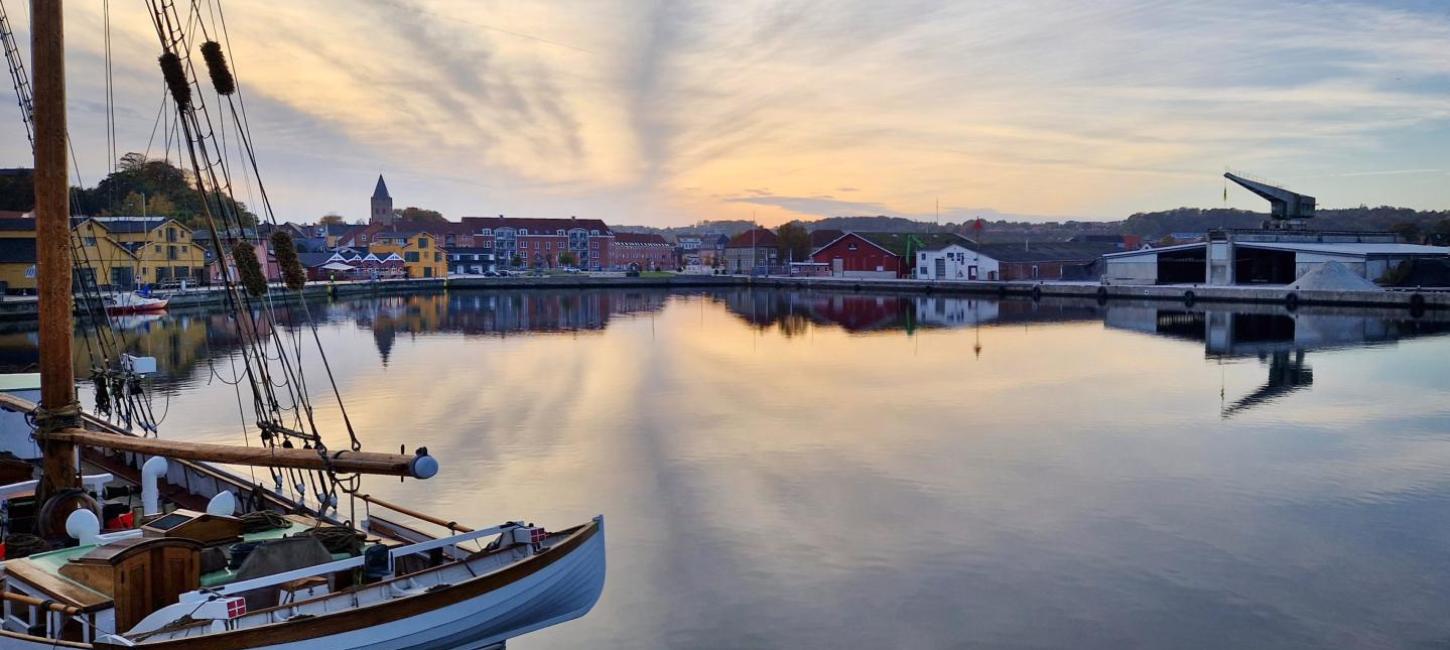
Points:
[825,470]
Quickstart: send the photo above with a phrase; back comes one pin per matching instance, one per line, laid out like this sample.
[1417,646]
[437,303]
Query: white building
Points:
[1263,257]
[955,262]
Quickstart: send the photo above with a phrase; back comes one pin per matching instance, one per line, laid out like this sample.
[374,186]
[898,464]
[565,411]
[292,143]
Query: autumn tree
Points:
[420,216]
[332,219]
[795,241]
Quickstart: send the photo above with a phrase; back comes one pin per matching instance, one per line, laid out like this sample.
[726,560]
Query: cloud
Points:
[680,111]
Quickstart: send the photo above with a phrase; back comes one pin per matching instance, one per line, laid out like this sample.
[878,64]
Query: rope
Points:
[259,521]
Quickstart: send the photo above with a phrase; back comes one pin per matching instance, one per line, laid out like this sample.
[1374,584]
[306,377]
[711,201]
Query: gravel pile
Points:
[1333,276]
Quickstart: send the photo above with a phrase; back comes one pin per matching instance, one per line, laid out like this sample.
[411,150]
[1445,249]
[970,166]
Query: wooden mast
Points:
[52,245]
[58,419]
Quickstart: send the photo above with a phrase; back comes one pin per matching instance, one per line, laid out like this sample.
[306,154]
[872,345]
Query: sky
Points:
[667,113]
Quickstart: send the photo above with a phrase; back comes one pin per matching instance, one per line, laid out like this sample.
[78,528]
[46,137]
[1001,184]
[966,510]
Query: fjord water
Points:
[807,470]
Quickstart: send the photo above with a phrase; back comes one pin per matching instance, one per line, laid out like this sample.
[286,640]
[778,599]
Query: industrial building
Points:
[1270,257]
[1279,254]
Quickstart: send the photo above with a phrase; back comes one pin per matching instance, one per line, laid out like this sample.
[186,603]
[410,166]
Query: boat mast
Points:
[59,408]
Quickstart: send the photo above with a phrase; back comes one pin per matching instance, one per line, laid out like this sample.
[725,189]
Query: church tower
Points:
[382,205]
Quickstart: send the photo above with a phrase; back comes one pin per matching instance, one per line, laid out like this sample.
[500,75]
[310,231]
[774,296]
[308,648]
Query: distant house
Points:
[955,261]
[1047,260]
[643,252]
[470,261]
[880,254]
[422,257]
[752,249]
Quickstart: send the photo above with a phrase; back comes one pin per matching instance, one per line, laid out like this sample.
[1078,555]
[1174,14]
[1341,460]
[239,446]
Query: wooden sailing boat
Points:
[215,560]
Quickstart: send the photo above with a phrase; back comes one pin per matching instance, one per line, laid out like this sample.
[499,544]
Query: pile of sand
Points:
[1333,276]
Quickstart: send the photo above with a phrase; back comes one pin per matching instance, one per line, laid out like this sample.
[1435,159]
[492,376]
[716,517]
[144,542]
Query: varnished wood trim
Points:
[385,612]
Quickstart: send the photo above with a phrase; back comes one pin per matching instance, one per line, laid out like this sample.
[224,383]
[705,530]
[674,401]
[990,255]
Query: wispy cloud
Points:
[676,111]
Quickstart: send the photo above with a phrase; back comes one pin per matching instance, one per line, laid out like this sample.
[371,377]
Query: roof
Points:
[17,250]
[381,190]
[131,224]
[761,238]
[17,224]
[310,260]
[1351,248]
[898,243]
[641,239]
[1046,251]
[538,226]
[824,236]
[1157,249]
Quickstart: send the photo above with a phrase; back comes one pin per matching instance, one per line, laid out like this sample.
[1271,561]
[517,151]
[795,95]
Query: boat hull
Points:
[559,584]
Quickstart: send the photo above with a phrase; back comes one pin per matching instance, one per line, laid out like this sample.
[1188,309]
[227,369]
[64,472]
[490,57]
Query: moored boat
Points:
[133,302]
[209,558]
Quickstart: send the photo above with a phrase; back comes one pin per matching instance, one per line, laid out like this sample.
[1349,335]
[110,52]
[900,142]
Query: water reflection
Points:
[1277,337]
[852,470]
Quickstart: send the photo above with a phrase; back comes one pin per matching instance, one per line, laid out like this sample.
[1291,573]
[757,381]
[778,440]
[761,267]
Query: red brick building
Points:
[878,254]
[642,252]
[534,243]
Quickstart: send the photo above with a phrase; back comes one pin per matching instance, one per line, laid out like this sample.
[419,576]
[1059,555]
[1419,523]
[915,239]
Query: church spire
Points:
[382,205]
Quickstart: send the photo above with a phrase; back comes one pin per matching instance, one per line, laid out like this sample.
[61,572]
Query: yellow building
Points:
[107,262]
[422,257]
[164,249]
[96,255]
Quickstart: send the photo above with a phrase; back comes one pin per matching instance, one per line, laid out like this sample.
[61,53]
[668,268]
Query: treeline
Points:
[1413,224]
[138,187]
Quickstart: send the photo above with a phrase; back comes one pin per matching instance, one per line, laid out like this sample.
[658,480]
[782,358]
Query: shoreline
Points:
[1412,301]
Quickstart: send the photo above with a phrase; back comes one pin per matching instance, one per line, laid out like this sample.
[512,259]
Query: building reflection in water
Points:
[1279,339]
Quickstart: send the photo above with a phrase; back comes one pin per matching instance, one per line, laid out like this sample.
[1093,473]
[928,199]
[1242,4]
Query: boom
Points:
[1283,204]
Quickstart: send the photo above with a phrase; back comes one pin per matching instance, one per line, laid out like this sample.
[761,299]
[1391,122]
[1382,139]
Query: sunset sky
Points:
[665,113]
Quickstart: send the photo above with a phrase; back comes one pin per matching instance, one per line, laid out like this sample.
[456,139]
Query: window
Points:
[170,252]
[594,233]
[559,232]
[158,248]
[851,246]
[181,272]
[411,256]
[523,231]
[437,257]
[88,241]
[171,234]
[486,232]
[422,242]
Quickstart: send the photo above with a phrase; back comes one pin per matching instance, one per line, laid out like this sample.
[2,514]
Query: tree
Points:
[17,190]
[332,219]
[516,261]
[169,192]
[567,258]
[420,216]
[139,204]
[795,241]
[1407,230]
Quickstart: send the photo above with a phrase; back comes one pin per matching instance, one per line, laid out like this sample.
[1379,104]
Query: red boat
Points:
[134,303]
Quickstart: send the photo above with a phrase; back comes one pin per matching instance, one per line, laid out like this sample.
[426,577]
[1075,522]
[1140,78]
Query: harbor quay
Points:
[1411,300]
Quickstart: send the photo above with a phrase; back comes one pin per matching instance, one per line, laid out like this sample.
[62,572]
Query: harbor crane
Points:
[1284,206]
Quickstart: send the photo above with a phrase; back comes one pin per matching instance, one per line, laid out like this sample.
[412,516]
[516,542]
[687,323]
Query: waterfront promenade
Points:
[22,308]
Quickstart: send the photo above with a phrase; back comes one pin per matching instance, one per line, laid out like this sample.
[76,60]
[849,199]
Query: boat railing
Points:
[369,501]
[338,565]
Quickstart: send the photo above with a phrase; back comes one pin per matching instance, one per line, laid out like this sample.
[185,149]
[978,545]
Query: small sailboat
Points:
[209,558]
[135,302]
